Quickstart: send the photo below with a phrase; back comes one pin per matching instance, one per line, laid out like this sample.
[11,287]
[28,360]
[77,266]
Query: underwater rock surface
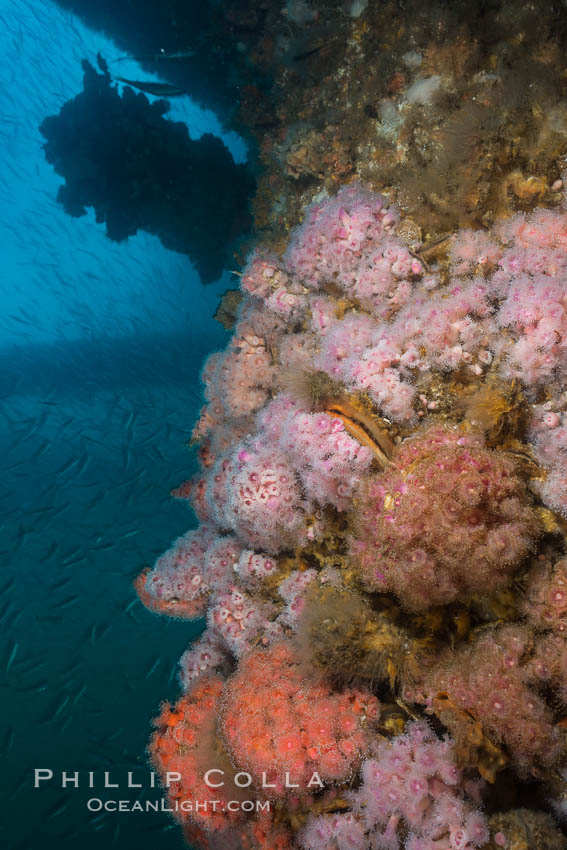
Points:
[383,480]
[383,487]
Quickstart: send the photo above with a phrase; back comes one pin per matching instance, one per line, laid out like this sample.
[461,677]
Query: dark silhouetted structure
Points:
[142,28]
[139,171]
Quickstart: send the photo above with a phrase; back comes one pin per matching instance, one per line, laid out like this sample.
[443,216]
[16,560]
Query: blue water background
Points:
[100,350]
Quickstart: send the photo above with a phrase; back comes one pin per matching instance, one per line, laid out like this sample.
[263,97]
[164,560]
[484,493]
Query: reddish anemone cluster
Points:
[184,746]
[287,738]
[450,518]
[492,680]
[287,731]
[546,597]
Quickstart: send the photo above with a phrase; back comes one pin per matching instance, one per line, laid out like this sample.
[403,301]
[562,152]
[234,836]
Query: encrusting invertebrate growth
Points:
[451,519]
[372,559]
[342,636]
[382,493]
